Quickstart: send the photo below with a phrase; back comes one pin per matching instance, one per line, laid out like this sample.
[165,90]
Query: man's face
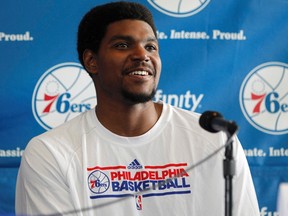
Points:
[128,62]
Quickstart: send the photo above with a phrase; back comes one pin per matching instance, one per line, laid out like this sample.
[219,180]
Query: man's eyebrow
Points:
[130,38]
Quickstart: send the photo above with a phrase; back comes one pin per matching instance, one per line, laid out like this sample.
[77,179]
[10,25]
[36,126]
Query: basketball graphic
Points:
[264,98]
[62,92]
[98,182]
[179,8]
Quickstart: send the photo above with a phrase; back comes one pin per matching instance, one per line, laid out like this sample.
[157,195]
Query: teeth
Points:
[140,73]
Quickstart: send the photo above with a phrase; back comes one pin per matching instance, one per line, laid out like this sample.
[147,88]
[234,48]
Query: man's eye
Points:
[121,45]
[151,47]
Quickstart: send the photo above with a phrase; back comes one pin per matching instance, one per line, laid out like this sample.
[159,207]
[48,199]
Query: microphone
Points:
[214,122]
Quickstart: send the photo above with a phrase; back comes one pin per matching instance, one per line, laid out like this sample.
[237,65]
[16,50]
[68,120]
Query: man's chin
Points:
[138,97]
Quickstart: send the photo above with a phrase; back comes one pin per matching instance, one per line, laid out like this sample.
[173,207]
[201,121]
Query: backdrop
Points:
[228,56]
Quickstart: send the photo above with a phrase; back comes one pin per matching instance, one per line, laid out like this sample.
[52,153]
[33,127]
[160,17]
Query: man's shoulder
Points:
[185,115]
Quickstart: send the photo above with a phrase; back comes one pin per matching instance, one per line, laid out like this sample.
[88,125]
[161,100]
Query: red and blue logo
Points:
[264,98]
[138,181]
[62,92]
[98,182]
[138,201]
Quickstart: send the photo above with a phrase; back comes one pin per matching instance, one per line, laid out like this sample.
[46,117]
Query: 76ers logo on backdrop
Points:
[264,98]
[61,93]
[179,8]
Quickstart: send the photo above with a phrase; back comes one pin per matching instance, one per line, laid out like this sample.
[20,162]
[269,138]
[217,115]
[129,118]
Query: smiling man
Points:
[129,155]
[126,70]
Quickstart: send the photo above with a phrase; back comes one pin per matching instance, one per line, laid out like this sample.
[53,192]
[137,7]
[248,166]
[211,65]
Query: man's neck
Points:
[132,120]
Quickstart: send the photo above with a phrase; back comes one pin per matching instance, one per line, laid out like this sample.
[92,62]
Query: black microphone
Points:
[214,122]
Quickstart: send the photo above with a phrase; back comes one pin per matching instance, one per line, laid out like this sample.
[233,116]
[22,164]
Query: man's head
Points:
[118,46]
[94,24]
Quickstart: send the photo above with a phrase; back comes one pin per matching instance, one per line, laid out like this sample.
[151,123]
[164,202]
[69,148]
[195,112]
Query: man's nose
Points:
[140,54]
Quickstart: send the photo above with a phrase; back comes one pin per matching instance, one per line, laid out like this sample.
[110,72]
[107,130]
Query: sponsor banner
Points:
[217,55]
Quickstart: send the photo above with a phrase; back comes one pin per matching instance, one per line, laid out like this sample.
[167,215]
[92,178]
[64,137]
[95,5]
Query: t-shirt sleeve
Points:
[245,200]
[41,187]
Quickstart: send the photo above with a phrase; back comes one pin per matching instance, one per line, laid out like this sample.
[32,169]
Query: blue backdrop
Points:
[229,56]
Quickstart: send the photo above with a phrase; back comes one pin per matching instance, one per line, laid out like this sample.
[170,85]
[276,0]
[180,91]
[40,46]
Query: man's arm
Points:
[41,187]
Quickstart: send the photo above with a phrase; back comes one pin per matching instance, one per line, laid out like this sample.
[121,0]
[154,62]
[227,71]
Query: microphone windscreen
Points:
[206,119]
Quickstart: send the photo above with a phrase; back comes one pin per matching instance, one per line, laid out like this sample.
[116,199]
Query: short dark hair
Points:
[93,26]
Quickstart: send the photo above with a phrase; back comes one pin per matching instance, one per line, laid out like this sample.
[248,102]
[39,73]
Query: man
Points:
[129,155]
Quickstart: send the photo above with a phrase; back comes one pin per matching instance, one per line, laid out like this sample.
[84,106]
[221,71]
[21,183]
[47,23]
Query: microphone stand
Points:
[229,172]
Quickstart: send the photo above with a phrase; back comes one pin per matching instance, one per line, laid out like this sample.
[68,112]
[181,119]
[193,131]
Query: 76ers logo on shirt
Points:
[61,93]
[98,182]
[264,98]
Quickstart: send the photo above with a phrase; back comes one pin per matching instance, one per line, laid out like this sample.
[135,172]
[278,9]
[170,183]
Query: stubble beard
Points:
[139,97]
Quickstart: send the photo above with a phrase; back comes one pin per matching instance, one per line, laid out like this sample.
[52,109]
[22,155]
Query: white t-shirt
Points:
[84,169]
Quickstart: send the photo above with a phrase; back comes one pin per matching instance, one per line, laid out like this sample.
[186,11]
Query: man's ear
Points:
[90,62]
